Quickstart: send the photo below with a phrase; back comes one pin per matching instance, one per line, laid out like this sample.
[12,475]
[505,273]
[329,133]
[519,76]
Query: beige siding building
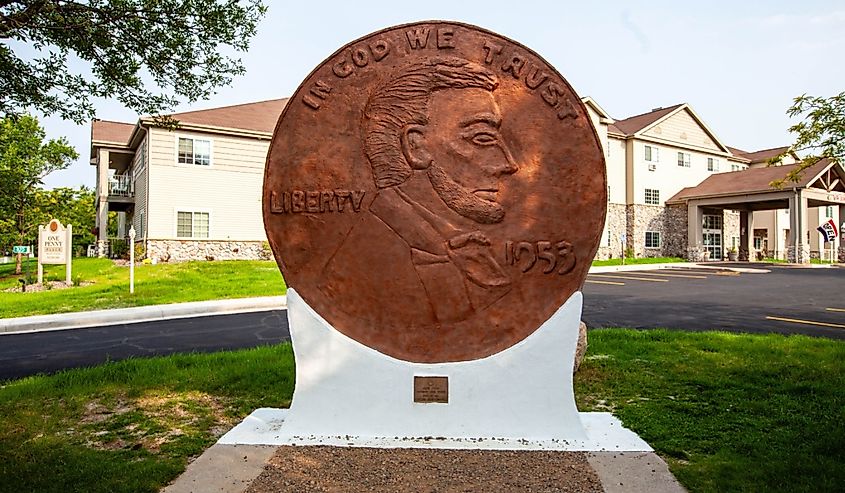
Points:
[194,192]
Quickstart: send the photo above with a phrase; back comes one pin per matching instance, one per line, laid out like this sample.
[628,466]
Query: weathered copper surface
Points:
[431,389]
[435,191]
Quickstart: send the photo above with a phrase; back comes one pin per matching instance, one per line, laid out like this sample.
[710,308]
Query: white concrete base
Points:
[348,394]
[604,433]
[346,388]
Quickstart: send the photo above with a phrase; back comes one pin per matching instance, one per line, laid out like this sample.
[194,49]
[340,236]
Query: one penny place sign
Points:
[435,192]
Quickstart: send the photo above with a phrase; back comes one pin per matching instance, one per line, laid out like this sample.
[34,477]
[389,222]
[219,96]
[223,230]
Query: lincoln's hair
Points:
[403,100]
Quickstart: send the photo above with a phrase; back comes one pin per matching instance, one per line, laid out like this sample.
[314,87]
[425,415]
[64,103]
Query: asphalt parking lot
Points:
[786,300]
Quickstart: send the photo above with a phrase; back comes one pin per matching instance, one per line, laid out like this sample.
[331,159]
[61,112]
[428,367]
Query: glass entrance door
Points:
[712,236]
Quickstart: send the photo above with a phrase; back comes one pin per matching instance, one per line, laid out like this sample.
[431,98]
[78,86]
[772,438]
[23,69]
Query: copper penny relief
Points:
[435,191]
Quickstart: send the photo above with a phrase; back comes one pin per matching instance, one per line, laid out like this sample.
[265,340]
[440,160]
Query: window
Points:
[758,243]
[652,239]
[736,167]
[194,151]
[712,164]
[652,154]
[828,211]
[683,159]
[192,224]
[652,196]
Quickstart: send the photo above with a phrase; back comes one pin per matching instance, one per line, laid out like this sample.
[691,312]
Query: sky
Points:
[738,64]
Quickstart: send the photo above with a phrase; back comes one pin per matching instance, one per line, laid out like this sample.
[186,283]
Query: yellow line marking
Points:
[629,277]
[835,309]
[607,282]
[727,273]
[808,322]
[688,276]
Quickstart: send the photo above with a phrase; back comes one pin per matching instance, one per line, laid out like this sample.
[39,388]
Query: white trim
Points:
[193,137]
[192,210]
[659,239]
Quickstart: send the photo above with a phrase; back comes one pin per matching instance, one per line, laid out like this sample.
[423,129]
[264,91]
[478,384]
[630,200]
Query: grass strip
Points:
[131,426]
[636,261]
[728,412]
[105,285]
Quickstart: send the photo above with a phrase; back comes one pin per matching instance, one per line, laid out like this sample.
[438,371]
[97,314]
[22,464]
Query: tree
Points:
[70,206]
[821,133]
[25,159]
[148,54]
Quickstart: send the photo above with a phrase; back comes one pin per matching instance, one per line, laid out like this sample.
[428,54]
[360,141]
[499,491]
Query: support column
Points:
[840,223]
[102,202]
[798,251]
[746,235]
[695,216]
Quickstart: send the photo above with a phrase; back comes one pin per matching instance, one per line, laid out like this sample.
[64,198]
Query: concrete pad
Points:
[634,472]
[604,433]
[223,469]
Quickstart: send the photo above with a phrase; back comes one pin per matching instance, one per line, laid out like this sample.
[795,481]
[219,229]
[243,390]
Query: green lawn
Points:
[728,412]
[154,284]
[634,261]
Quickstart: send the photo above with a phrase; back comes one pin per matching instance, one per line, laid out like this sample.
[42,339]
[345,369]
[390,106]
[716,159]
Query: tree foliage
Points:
[25,159]
[148,54]
[820,133]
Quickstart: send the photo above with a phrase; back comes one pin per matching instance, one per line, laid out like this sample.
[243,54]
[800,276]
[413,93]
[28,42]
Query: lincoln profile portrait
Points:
[431,134]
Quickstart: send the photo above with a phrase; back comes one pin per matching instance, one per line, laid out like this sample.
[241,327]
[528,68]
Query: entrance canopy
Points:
[750,190]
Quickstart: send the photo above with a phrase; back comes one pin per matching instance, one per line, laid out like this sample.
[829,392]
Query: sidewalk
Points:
[99,318]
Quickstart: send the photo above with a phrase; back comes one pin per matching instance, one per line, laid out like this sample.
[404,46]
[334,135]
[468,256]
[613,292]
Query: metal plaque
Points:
[431,389]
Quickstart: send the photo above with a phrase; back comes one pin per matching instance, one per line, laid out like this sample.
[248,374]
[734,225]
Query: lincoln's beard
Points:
[461,199]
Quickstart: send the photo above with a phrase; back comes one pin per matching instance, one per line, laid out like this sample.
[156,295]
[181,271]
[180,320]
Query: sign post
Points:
[54,247]
[131,259]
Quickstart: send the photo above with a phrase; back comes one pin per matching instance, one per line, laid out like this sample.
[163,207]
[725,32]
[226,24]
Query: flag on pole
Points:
[828,230]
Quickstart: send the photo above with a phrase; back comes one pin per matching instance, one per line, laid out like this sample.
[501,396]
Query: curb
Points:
[133,315]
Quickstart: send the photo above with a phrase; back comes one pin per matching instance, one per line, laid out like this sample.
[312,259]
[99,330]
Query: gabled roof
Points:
[751,180]
[634,124]
[111,132]
[764,155]
[603,115]
[257,117]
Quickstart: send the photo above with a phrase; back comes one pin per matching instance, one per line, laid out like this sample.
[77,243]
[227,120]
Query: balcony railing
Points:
[121,186]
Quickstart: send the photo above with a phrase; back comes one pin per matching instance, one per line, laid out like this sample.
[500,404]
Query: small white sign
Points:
[53,244]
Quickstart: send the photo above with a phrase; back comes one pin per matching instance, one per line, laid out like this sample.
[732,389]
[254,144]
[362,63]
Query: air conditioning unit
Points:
[652,167]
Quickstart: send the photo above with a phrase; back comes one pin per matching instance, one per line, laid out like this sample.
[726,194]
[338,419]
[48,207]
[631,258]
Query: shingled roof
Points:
[634,124]
[111,132]
[752,180]
[764,155]
[259,117]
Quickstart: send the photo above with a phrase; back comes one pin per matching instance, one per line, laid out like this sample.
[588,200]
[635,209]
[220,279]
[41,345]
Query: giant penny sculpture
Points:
[435,192]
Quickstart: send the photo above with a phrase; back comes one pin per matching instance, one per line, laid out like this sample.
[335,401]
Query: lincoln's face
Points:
[466,152]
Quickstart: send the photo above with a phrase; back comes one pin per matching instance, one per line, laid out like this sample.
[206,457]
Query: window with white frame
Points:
[194,151]
[191,224]
[652,196]
[829,211]
[652,154]
[684,159]
[712,164]
[736,167]
[652,239]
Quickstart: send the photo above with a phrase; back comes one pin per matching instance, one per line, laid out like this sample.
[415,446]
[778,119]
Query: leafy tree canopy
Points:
[820,134]
[148,54]
[25,159]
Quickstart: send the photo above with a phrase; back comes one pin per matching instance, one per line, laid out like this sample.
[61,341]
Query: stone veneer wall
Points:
[616,226]
[730,229]
[642,218]
[184,250]
[675,240]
